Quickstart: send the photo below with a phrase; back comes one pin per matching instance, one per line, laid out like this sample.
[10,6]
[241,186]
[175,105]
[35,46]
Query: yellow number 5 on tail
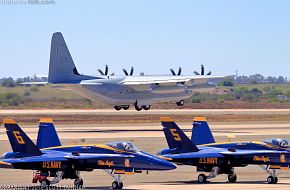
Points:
[175,135]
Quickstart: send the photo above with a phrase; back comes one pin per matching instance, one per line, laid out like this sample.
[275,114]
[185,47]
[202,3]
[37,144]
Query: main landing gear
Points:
[139,108]
[42,178]
[136,106]
[202,178]
[79,182]
[117,183]
[272,178]
[124,107]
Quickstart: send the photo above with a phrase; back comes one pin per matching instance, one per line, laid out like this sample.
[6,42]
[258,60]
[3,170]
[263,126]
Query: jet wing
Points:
[8,163]
[34,83]
[96,156]
[34,159]
[251,152]
[193,155]
[167,79]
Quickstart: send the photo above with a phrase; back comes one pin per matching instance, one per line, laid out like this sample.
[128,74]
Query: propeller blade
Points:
[196,73]
[125,71]
[173,72]
[202,70]
[209,73]
[106,70]
[132,71]
[179,71]
[101,72]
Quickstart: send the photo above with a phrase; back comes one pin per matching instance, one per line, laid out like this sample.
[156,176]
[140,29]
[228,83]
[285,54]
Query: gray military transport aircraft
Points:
[121,92]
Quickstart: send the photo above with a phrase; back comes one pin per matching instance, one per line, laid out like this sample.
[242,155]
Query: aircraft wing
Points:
[34,159]
[167,79]
[34,83]
[8,163]
[251,152]
[193,155]
[84,156]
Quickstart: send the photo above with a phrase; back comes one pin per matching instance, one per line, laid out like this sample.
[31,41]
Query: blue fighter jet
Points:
[221,158]
[50,159]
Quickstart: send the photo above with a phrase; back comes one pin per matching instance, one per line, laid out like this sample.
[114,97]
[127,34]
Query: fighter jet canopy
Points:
[283,143]
[125,146]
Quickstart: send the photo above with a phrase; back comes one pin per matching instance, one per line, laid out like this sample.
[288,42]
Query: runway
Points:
[148,136]
[149,112]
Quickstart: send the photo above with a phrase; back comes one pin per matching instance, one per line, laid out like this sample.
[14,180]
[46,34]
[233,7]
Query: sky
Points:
[250,36]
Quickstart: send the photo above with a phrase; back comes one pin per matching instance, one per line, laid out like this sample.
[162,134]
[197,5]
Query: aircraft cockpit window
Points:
[283,143]
[125,146]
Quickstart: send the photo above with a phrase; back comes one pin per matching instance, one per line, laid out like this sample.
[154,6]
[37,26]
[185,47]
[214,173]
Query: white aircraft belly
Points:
[167,89]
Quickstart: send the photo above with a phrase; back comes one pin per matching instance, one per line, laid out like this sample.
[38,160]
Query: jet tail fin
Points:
[61,65]
[47,135]
[201,133]
[19,141]
[175,137]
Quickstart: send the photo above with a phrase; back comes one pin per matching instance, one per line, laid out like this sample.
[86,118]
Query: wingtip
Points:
[166,119]
[9,121]
[46,120]
[199,119]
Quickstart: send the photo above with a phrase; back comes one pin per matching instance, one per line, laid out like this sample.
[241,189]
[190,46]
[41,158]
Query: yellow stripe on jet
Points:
[5,163]
[46,120]
[165,158]
[9,121]
[199,119]
[166,119]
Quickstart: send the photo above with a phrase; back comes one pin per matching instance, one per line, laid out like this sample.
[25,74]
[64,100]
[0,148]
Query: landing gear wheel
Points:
[121,185]
[232,178]
[118,108]
[180,103]
[271,180]
[201,178]
[78,183]
[276,180]
[137,107]
[146,107]
[45,184]
[126,107]
[115,185]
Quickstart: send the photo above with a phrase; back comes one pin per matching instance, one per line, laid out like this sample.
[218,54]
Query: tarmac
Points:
[149,137]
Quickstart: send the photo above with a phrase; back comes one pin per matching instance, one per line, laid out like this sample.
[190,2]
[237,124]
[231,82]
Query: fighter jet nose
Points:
[166,165]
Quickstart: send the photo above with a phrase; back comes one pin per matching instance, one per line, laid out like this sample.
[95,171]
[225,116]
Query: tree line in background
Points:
[255,91]
[251,79]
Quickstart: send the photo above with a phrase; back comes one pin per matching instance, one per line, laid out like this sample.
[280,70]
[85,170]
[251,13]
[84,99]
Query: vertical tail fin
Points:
[47,135]
[201,133]
[19,141]
[175,137]
[61,65]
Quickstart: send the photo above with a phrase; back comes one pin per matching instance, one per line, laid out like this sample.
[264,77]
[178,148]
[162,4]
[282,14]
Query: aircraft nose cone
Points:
[165,165]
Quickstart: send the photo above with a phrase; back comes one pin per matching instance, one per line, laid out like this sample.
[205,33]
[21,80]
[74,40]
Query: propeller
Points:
[178,72]
[104,72]
[202,71]
[127,73]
